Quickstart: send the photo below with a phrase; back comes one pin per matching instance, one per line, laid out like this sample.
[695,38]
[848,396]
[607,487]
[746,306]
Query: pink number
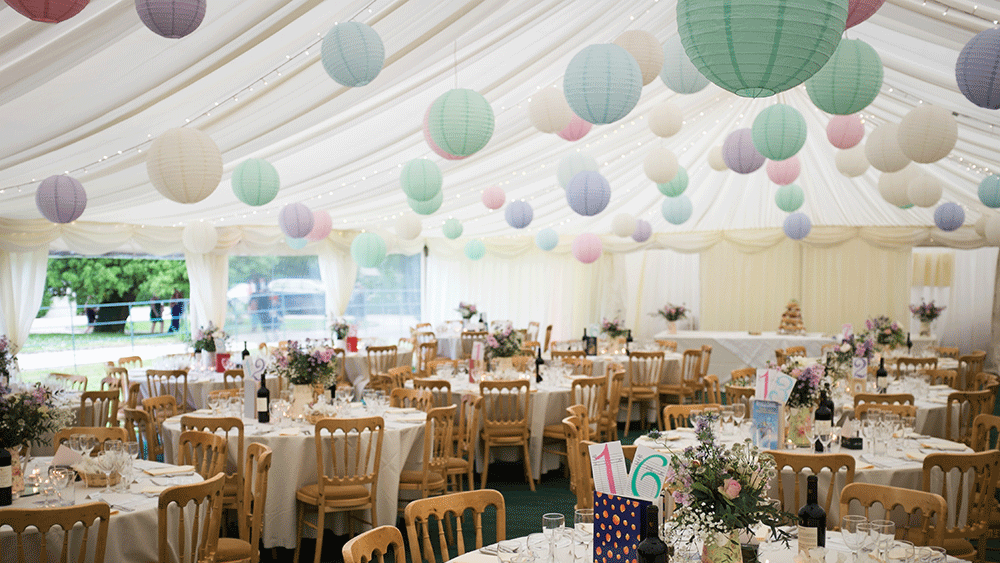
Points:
[767,381]
[607,465]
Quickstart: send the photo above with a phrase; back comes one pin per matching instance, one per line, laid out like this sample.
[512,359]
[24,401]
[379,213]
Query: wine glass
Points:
[508,550]
[901,551]
[867,538]
[131,451]
[851,533]
[726,415]
[583,534]
[87,444]
[886,531]
[739,413]
[61,478]
[825,437]
[107,462]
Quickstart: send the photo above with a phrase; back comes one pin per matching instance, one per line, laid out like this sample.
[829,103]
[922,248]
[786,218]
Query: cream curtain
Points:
[22,282]
[965,322]
[338,272]
[658,277]
[209,277]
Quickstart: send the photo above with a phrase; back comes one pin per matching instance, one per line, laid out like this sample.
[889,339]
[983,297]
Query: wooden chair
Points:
[968,366]
[947,377]
[440,511]
[433,365]
[591,395]
[116,378]
[607,425]
[743,377]
[815,463]
[468,338]
[424,336]
[373,545]
[963,408]
[901,410]
[563,354]
[424,326]
[548,338]
[198,540]
[883,398]
[679,416]
[232,379]
[505,410]
[134,395]
[43,520]
[419,399]
[440,390]
[62,379]
[426,352]
[99,408]
[795,351]
[667,345]
[690,379]
[579,461]
[581,366]
[78,382]
[985,381]
[384,383]
[160,408]
[946,352]
[905,366]
[102,433]
[172,382]
[381,359]
[431,479]
[710,393]
[463,462]
[254,499]
[971,481]
[204,450]
[355,453]
[985,432]
[919,507]
[130,362]
[231,427]
[706,357]
[643,384]
[740,395]
[140,426]
[534,327]
[826,348]
[342,381]
[779,357]
[521,363]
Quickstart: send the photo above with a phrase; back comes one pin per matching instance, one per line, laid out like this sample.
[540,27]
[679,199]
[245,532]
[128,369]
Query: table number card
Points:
[649,470]
[251,381]
[607,463]
[768,422]
[773,385]
[859,372]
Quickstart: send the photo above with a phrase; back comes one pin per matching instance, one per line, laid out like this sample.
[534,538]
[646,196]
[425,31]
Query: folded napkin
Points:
[944,445]
[401,410]
[939,386]
[170,470]
[289,432]
[670,437]
[153,489]
[937,400]
[66,456]
[916,456]
[883,461]
[412,418]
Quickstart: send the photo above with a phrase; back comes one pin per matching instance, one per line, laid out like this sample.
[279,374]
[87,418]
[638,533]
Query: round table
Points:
[357,367]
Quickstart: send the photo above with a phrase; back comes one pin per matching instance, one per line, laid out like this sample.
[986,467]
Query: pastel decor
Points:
[949,216]
[675,187]
[924,191]
[461,122]
[61,199]
[976,69]
[587,248]
[48,11]
[576,130]
[646,51]
[757,48]
[295,220]
[660,165]
[296,243]
[588,193]
[845,131]
[789,198]
[860,10]
[739,152]
[643,230]
[572,164]
[779,132]
[519,214]
[368,250]
[676,210]
[991,230]
[549,111]
[421,179]
[927,134]
[797,226]
[850,80]
[678,73]
[547,239]
[427,207]
[602,83]
[666,119]
[430,142]
[493,197]
[893,186]
[171,18]
[882,149]
[322,225]
[623,225]
[852,162]
[475,249]
[352,53]
[980,225]
[783,172]
[452,229]
[989,191]
[715,159]
[255,181]
[408,227]
[184,165]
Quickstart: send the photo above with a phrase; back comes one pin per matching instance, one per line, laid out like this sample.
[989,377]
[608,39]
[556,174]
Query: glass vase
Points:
[302,396]
[671,327]
[925,328]
[725,551]
[16,471]
[800,421]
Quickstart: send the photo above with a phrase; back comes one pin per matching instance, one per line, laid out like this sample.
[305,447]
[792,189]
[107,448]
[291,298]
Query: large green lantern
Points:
[421,179]
[849,81]
[461,122]
[368,250]
[779,132]
[255,181]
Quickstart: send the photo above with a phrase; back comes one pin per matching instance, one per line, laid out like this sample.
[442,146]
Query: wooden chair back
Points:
[422,513]
[116,378]
[232,379]
[254,496]
[667,345]
[341,356]
[160,408]
[743,377]
[829,347]
[740,395]
[710,391]
[230,428]
[985,382]
[372,546]
[534,327]
[947,352]
[198,539]
[706,357]
[920,508]
[905,366]
[172,382]
[579,474]
[402,398]
[883,398]
[691,370]
[520,363]
[440,390]
[33,545]
[204,450]
[548,338]
[433,365]
[968,366]
[985,432]
[424,326]
[966,480]
[134,394]
[99,408]
[130,362]
[438,442]
[224,394]
[78,382]
[901,410]
[466,440]
[424,336]
[607,428]
[591,393]
[947,377]
[645,370]
[563,354]
[102,433]
[680,416]
[505,408]
[815,463]
[779,357]
[140,426]
[355,448]
[581,366]
[468,338]
[381,359]
[963,408]
[795,351]
[426,352]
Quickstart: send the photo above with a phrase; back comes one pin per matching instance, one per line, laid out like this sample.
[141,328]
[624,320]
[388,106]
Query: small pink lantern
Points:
[587,248]
[322,225]
[783,172]
[860,10]
[845,131]
[576,130]
[494,197]
[295,220]
[430,142]
[48,11]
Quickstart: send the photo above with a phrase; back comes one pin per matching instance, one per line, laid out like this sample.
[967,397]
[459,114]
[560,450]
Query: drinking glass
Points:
[508,550]
[901,551]
[886,530]
[61,477]
[739,413]
[583,535]
[562,543]
[552,523]
[726,415]
[48,490]
[107,462]
[538,546]
[938,555]
[867,538]
[131,451]
[909,424]
[87,444]
[825,438]
[851,533]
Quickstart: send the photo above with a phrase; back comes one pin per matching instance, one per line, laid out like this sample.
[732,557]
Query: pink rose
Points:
[731,488]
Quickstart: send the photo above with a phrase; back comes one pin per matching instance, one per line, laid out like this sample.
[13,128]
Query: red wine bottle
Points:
[651,549]
[824,418]
[263,401]
[6,478]
[812,519]
[882,377]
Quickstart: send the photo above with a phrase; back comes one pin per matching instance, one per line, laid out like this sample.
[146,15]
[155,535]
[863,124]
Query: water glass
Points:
[867,539]
[886,530]
[739,413]
[901,551]
[583,535]
[61,478]
[852,534]
[538,546]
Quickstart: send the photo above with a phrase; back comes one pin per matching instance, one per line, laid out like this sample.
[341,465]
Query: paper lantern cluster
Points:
[678,73]
[172,19]
[295,220]
[660,165]
[646,51]
[949,216]
[322,225]
[850,81]
[643,230]
[199,237]
[352,53]
[452,229]
[739,152]
[927,134]
[784,172]
[368,250]
[572,164]
[549,112]
[421,179]
[255,182]
[48,11]
[797,226]
[779,132]
[461,122]
[602,83]
[61,199]
[666,119]
[587,248]
[184,165]
[675,187]
[493,197]
[576,130]
[588,193]
[519,214]
[976,68]
[845,131]
[623,225]
[676,210]
[547,239]
[475,249]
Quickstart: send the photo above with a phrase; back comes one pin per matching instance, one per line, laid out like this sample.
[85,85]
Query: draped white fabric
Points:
[22,282]
[338,272]
[209,276]
[966,321]
[656,278]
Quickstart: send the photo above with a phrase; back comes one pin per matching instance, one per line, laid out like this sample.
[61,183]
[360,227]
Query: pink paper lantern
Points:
[48,11]
[576,130]
[587,248]
[740,154]
[783,172]
[845,131]
[434,147]
[494,197]
[322,225]
[860,10]
[295,220]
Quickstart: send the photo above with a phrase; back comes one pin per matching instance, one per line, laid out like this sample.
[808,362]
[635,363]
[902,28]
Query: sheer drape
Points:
[658,277]
[339,272]
[22,282]
[970,277]
[209,276]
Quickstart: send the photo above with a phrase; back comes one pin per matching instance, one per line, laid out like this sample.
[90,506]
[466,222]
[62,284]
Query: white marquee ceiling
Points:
[101,82]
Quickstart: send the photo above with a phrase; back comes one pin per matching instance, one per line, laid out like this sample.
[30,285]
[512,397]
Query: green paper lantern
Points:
[461,122]
[676,210]
[989,191]
[452,229]
[849,81]
[421,179]
[779,132]
[427,207]
[368,250]
[475,249]
[675,187]
[757,48]
[255,182]
[602,83]
[789,198]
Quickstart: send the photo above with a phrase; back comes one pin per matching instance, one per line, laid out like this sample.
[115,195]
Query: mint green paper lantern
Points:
[296,243]
[475,249]
[779,132]
[602,83]
[850,80]
[757,48]
[427,207]
[421,179]
[452,228]
[368,250]
[255,181]
[352,53]
[675,187]
[989,191]
[461,122]
[547,239]
[789,198]
[677,210]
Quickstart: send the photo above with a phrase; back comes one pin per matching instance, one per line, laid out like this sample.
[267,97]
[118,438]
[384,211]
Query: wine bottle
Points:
[6,478]
[812,519]
[538,366]
[246,353]
[263,401]
[882,377]
[909,345]
[824,418]
[628,340]
[651,549]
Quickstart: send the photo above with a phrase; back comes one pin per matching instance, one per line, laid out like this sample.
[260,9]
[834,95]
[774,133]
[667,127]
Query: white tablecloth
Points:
[357,366]
[200,384]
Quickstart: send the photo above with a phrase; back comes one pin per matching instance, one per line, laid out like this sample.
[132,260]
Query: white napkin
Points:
[944,445]
[413,418]
[937,400]
[153,489]
[66,456]
[916,456]
[883,461]
[401,410]
[170,470]
[289,432]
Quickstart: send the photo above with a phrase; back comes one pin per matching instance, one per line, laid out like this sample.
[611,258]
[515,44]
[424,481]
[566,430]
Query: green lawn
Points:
[57,341]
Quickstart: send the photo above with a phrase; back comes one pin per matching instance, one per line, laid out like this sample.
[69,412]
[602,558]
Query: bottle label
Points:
[261,404]
[6,477]
[808,538]
[823,426]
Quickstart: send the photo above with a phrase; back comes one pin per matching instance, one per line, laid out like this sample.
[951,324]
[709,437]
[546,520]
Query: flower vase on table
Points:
[925,328]
[800,421]
[726,549]
[16,472]
[500,365]
[671,327]
[308,366]
[302,397]
[208,360]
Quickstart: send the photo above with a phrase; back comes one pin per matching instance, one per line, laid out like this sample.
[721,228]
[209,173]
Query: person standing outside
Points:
[176,309]
[155,314]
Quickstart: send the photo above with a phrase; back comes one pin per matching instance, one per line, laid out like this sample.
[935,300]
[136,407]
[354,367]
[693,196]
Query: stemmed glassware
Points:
[552,525]
[851,530]
[739,413]
[583,534]
[61,478]
[726,416]
[886,534]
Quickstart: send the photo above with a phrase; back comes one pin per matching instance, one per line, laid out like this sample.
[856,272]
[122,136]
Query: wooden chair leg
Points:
[472,482]
[628,414]
[298,538]
[320,528]
[486,464]
[527,467]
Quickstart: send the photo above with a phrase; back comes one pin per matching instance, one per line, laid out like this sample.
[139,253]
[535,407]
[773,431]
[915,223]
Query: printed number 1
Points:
[607,466]
[767,382]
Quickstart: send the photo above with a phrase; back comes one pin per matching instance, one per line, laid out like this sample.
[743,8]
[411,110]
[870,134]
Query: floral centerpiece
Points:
[926,312]
[720,491]
[466,310]
[340,328]
[204,339]
[503,343]
[885,331]
[614,328]
[809,379]
[7,359]
[28,414]
[841,359]
[672,312]
[309,366]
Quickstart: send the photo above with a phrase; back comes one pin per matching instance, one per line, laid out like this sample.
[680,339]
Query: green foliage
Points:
[242,269]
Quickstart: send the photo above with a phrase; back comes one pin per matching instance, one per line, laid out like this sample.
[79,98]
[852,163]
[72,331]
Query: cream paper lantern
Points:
[927,134]
[991,230]
[715,159]
[893,186]
[666,119]
[408,227]
[924,191]
[623,225]
[199,237]
[980,225]
[660,165]
[852,162]
[549,111]
[645,49]
[184,165]
[882,149]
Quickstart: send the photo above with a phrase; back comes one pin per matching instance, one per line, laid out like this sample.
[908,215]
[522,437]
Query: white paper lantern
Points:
[199,237]
[549,111]
[991,230]
[924,191]
[882,149]
[980,226]
[408,227]
[660,165]
[645,49]
[666,119]
[894,185]
[572,164]
[623,225]
[184,165]
[852,162]
[927,134]
[715,159]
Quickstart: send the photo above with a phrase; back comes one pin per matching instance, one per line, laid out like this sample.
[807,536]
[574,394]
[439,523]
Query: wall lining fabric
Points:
[22,282]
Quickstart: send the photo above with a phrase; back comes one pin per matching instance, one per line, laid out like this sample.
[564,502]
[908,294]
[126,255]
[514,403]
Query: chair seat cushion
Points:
[347,495]
[959,547]
[458,463]
[434,479]
[554,431]
[233,549]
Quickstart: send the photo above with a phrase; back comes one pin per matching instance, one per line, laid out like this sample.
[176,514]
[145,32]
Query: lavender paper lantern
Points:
[576,130]
[322,225]
[678,73]
[587,248]
[493,197]
[572,164]
[676,210]
[789,198]
[255,181]
[452,229]
[797,226]
[61,199]
[976,69]
[779,132]
[588,193]
[675,187]
[602,83]
[949,216]
[430,142]
[860,10]
[518,214]
[421,179]
[48,11]
[296,243]
[643,230]
[171,18]
[295,220]
[475,249]
[845,131]
[547,239]
[739,152]
[427,207]
[368,250]
[352,53]
[989,191]
[783,172]
[184,165]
